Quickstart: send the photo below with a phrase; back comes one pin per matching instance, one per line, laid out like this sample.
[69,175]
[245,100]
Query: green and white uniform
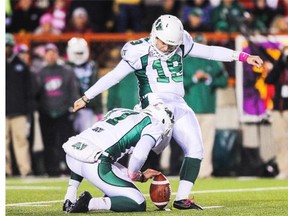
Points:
[93,154]
[161,80]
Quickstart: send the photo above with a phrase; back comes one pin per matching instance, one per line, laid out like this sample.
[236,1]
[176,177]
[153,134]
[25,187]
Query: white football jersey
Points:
[117,134]
[157,75]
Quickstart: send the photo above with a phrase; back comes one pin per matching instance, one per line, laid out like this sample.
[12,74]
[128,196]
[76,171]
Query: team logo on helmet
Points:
[158,25]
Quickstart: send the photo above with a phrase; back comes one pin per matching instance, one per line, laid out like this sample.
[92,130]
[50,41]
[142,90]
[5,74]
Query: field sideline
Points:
[218,196]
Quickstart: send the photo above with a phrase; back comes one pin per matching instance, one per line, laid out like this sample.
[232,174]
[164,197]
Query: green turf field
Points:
[219,196]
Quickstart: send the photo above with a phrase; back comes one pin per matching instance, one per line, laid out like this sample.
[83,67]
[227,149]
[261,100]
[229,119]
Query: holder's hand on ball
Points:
[150,173]
[143,176]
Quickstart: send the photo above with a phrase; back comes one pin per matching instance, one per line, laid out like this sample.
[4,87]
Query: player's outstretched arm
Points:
[223,54]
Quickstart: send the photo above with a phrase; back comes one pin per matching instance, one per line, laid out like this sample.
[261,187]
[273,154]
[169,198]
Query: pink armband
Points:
[243,56]
[137,176]
[133,176]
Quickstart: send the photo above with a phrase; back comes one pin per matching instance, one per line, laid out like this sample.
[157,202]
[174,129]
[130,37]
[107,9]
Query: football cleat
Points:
[66,205]
[81,204]
[186,204]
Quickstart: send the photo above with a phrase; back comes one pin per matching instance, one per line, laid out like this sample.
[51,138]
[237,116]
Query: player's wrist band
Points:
[85,101]
[243,56]
[240,56]
[139,176]
[142,177]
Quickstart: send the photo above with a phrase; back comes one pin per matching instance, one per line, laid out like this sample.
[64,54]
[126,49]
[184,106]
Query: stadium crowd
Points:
[58,16]
[93,16]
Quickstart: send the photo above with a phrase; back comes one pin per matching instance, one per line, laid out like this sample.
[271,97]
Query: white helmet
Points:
[77,51]
[169,29]
[162,114]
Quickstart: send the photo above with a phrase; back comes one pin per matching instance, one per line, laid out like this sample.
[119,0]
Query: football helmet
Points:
[77,51]
[162,114]
[169,30]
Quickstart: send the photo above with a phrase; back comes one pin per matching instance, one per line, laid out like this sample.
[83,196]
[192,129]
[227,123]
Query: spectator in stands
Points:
[227,16]
[56,90]
[202,78]
[25,17]
[34,138]
[79,22]
[100,13]
[22,51]
[279,78]
[195,22]
[46,26]
[87,73]
[43,4]
[282,7]
[153,9]
[59,12]
[262,15]
[171,7]
[18,107]
[128,12]
[279,25]
[204,5]
[37,59]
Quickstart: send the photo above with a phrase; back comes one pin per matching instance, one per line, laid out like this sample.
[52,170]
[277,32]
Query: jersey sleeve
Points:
[132,51]
[154,130]
[151,139]
[140,155]
[108,80]
[188,42]
[216,53]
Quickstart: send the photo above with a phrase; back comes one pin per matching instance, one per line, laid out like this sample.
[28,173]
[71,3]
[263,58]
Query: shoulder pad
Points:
[132,52]
[188,42]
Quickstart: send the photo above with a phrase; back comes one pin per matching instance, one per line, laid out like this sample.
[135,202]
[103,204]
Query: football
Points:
[160,191]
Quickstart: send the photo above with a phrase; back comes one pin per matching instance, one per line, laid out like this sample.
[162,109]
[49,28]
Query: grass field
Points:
[219,196]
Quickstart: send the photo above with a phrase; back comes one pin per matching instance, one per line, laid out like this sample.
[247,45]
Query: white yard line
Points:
[147,195]
[33,188]
[33,180]
[212,207]
[240,190]
[34,203]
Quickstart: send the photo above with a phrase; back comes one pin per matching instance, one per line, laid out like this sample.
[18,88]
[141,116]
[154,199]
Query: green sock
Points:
[190,169]
[76,177]
[125,204]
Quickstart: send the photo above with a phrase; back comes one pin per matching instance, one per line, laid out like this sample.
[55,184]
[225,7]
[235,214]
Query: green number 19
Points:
[175,67]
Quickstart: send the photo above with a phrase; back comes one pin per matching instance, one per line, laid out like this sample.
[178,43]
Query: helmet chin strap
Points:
[154,51]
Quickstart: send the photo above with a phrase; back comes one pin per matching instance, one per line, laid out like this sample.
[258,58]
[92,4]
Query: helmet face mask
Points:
[77,51]
[169,30]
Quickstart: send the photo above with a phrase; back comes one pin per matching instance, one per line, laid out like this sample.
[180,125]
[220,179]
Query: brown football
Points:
[160,191]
